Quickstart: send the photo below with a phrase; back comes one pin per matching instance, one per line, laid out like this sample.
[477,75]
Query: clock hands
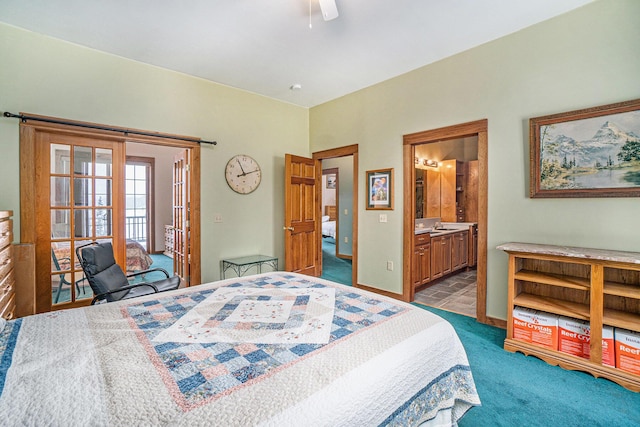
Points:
[247,173]
[243,172]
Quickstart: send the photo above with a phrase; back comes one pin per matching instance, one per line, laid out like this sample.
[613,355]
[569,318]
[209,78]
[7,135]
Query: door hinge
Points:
[187,168]
[186,223]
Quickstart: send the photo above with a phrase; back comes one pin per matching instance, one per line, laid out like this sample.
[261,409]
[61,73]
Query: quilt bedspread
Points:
[270,349]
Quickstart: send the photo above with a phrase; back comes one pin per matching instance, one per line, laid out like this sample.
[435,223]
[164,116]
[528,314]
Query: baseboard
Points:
[380,291]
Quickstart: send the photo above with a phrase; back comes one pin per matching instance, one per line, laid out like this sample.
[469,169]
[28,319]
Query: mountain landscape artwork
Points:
[593,153]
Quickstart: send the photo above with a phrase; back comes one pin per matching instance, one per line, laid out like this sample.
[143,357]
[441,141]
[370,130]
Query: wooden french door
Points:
[72,190]
[302,252]
[79,192]
[181,216]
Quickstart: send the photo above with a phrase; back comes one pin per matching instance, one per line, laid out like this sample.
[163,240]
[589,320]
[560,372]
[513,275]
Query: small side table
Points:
[243,264]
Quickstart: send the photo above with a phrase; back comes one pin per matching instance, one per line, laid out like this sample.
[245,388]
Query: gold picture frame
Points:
[593,152]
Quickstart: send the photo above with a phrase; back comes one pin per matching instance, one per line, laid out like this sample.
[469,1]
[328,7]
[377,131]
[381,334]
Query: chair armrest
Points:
[124,288]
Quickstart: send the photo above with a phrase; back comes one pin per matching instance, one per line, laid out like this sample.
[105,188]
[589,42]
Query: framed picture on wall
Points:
[332,180]
[380,189]
[586,153]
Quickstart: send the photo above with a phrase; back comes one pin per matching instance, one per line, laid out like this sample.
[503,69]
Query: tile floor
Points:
[456,293]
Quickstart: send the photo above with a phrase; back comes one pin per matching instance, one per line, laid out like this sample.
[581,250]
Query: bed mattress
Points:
[273,349]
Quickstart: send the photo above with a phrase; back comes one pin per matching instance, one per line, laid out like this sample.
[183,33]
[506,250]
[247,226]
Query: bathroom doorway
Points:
[477,130]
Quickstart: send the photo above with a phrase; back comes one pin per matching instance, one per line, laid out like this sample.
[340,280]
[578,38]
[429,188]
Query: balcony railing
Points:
[136,228]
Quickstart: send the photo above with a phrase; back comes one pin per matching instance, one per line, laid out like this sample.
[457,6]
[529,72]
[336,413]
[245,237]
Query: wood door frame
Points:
[349,150]
[28,162]
[477,128]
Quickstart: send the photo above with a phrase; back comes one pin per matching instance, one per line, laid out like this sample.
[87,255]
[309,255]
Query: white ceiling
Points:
[266,46]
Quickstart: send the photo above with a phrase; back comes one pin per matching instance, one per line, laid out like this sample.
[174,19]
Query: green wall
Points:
[585,58]
[42,75]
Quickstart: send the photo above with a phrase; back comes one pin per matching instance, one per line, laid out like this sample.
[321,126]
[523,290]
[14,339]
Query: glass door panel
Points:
[88,218]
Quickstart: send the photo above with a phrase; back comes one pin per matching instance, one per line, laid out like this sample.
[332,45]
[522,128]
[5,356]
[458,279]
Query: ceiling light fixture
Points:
[430,163]
[295,86]
[329,9]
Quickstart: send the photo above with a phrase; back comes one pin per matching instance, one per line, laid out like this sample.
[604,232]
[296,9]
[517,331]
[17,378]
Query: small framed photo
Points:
[331,181]
[586,153]
[380,189]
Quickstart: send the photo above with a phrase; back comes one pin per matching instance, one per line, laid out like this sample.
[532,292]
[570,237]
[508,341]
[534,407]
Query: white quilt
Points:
[275,349]
[329,229]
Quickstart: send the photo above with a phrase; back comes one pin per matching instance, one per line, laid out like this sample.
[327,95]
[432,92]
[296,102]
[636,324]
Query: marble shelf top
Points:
[573,252]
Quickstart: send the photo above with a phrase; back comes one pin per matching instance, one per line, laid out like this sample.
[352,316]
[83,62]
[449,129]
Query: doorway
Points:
[336,189]
[477,130]
[343,162]
[139,191]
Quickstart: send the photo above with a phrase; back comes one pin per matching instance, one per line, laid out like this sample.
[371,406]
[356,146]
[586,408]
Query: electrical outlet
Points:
[217,217]
[390,265]
[383,217]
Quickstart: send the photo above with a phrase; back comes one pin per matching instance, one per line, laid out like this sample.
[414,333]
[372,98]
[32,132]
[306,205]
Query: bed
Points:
[328,227]
[329,222]
[273,349]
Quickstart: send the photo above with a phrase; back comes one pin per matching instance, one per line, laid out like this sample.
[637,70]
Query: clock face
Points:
[243,174]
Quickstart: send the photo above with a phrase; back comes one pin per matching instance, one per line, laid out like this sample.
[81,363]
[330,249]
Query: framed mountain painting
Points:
[586,153]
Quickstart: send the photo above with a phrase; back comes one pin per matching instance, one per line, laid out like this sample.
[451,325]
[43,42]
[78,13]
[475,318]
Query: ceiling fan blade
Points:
[329,9]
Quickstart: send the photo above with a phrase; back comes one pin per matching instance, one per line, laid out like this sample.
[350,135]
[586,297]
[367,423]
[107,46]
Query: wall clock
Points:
[243,174]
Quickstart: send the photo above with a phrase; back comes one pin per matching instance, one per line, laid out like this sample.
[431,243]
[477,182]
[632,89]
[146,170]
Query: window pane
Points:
[83,223]
[85,291]
[82,191]
[60,191]
[103,161]
[60,158]
[103,192]
[141,187]
[141,202]
[141,172]
[60,224]
[103,222]
[60,256]
[82,160]
[60,290]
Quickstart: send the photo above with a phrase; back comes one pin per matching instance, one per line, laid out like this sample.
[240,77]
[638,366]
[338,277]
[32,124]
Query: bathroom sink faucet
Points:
[437,225]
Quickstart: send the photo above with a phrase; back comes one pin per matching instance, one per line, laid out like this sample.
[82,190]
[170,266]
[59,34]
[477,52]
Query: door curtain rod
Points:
[24,119]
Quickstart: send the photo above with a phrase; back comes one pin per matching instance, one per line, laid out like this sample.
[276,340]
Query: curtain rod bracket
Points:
[126,132]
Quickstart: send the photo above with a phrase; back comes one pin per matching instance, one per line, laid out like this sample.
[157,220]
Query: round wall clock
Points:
[243,174]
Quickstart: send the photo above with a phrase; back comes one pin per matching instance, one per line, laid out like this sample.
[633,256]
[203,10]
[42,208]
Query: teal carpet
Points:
[334,268]
[518,390]
[159,261]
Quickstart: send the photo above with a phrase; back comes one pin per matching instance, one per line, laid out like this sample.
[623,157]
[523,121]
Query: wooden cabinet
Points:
[421,273]
[599,286]
[432,193]
[440,256]
[471,192]
[452,182]
[7,277]
[473,246]
[459,250]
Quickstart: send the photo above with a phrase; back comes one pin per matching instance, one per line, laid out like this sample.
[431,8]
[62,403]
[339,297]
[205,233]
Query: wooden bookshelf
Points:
[599,286]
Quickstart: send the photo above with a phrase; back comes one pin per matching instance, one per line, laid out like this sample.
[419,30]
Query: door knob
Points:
[288,228]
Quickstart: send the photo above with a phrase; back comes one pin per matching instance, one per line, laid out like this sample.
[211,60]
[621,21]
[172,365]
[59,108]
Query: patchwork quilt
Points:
[272,349]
